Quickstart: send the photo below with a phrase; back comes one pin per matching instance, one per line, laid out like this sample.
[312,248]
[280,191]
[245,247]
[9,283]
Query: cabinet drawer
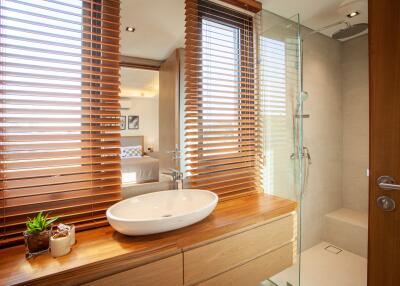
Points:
[212,259]
[257,270]
[166,272]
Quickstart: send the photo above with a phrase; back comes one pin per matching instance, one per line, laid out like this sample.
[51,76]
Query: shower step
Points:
[347,229]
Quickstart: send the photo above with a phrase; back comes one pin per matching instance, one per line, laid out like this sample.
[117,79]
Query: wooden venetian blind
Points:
[222,113]
[59,113]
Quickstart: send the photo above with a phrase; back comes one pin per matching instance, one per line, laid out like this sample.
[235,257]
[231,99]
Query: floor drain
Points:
[167,215]
[333,249]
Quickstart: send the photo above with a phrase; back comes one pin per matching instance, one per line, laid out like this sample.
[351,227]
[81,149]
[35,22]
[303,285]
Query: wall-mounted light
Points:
[353,14]
[130,29]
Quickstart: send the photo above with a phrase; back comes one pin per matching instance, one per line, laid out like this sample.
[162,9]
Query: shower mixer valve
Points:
[304,154]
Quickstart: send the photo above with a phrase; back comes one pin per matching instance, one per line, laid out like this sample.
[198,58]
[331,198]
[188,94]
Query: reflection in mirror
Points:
[139,125]
[151,68]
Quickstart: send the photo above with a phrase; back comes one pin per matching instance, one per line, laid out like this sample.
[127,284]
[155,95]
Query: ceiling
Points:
[160,23]
[316,14]
[138,82]
[160,27]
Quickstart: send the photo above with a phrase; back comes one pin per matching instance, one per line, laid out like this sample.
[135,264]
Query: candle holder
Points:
[62,239]
[59,245]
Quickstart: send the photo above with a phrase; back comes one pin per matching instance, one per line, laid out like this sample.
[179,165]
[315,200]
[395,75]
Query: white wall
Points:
[147,109]
[140,96]
[355,92]
[322,133]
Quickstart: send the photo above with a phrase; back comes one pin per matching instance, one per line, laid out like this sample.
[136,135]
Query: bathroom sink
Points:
[161,211]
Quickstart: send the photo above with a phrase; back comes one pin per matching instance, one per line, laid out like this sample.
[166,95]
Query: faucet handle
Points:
[178,174]
[175,174]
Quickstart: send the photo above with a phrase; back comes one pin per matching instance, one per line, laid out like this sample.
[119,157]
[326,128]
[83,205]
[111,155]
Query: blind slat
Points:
[13,184]
[231,174]
[18,197]
[58,153]
[61,171]
[67,206]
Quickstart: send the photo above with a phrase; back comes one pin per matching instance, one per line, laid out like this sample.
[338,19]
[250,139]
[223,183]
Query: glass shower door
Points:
[280,86]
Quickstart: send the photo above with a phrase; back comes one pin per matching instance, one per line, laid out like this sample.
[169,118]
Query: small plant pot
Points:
[36,243]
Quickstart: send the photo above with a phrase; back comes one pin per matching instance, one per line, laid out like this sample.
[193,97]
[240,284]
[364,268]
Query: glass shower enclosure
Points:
[279,66]
[279,77]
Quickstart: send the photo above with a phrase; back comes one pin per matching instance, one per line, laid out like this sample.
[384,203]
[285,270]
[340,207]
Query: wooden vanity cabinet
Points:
[245,257]
[250,256]
[255,271]
[166,272]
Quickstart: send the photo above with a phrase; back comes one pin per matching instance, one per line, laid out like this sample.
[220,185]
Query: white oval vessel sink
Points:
[161,211]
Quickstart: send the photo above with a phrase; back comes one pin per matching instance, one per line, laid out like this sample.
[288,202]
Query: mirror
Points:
[152,40]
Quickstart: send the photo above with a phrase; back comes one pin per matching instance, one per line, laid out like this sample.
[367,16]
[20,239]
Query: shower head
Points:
[350,31]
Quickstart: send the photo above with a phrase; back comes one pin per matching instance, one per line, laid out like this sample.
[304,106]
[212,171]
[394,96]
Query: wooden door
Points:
[384,226]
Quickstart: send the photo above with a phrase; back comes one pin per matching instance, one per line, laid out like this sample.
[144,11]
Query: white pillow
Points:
[131,151]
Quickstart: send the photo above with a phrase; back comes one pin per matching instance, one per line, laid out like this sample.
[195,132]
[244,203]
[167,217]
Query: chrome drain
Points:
[333,249]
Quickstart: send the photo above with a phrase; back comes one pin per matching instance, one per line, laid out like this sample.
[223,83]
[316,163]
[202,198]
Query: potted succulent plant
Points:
[37,234]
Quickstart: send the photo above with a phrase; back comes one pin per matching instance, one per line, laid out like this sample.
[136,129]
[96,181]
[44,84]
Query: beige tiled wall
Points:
[322,133]
[355,94]
[336,77]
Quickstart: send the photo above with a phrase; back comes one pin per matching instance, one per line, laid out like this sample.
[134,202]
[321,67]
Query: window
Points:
[59,112]
[221,109]
[277,132]
[279,87]
[214,93]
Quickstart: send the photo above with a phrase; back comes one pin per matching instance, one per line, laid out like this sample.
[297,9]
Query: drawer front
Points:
[212,259]
[257,270]
[166,272]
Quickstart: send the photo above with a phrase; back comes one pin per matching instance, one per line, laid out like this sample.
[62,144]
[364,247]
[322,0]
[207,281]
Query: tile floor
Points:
[322,267]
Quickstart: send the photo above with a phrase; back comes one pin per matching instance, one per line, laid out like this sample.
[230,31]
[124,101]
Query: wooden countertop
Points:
[103,251]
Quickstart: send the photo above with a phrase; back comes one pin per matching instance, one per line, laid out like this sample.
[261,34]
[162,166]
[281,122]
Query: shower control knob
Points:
[386,203]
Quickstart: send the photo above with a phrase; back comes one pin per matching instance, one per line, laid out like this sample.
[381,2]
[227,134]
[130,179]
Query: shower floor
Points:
[320,266]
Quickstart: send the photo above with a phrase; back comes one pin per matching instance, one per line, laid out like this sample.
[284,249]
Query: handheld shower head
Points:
[305,95]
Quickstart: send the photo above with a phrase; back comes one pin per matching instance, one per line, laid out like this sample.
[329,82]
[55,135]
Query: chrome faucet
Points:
[177,177]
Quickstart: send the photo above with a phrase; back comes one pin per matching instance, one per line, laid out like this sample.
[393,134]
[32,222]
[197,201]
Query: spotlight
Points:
[353,14]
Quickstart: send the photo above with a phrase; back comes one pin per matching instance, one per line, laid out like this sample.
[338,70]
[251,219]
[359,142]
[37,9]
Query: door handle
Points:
[387,183]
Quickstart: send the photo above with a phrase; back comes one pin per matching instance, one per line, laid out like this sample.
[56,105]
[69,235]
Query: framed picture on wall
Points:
[122,122]
[133,122]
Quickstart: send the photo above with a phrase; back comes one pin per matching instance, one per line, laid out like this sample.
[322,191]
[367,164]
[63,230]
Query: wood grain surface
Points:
[103,251]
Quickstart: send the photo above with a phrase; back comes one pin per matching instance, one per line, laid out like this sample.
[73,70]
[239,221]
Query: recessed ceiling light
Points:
[353,14]
[130,29]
